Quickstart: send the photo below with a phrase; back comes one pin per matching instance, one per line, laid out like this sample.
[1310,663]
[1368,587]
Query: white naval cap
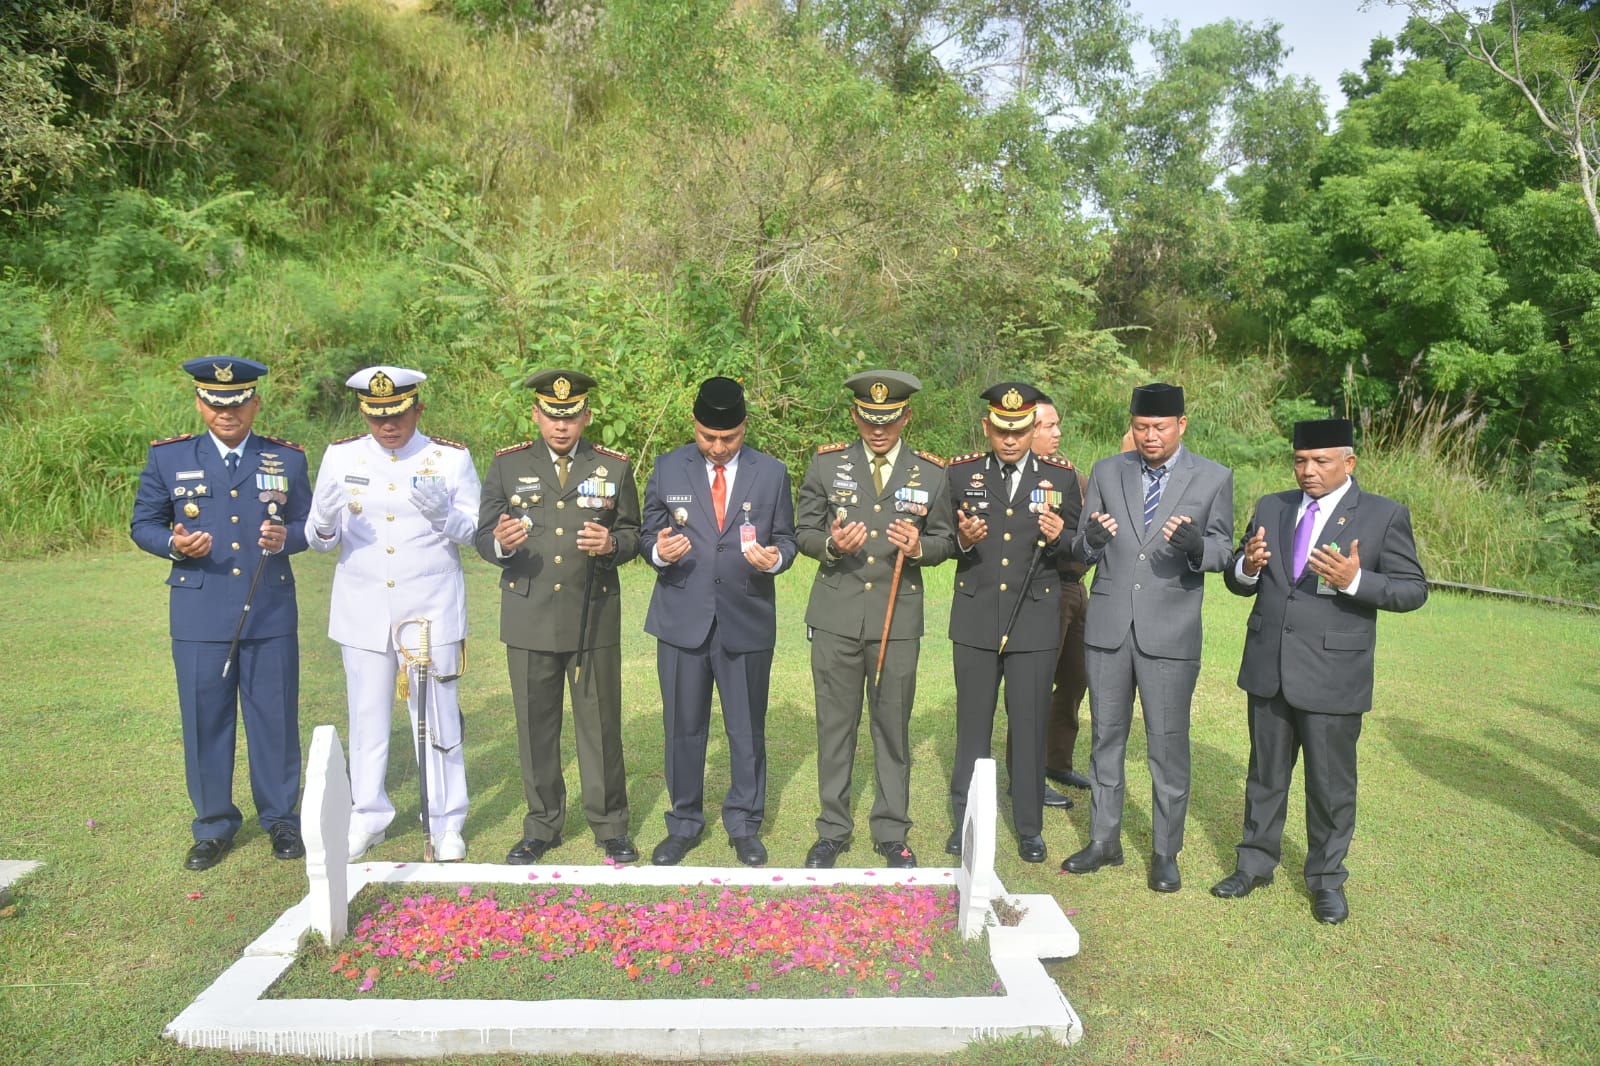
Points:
[386,390]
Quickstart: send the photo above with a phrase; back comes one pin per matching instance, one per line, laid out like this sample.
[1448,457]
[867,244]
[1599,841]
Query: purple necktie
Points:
[1302,540]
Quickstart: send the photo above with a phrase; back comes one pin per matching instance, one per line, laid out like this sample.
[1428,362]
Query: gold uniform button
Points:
[870,559]
[558,586]
[235,545]
[1005,562]
[391,583]
[391,486]
[390,549]
[511,584]
[877,507]
[559,531]
[1006,537]
[236,571]
[1002,586]
[1010,512]
[868,586]
[874,533]
[389,517]
[558,560]
[234,519]
[561,505]
[234,493]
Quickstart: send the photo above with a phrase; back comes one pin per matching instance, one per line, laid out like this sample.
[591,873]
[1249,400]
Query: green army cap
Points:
[560,393]
[881,395]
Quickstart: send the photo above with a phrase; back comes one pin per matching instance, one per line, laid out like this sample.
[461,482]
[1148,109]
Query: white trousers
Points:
[369,678]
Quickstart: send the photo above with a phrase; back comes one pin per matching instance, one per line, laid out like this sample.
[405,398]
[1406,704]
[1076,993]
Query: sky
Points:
[1325,37]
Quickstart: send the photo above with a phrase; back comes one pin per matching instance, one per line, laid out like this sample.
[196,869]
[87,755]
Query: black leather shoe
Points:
[1328,906]
[1239,884]
[1031,849]
[670,852]
[1164,873]
[1052,798]
[207,853]
[1070,778]
[824,853]
[952,846]
[620,849]
[286,842]
[531,851]
[896,854]
[748,850]
[1099,853]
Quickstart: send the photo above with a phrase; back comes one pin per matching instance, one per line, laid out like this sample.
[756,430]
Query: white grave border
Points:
[232,1014]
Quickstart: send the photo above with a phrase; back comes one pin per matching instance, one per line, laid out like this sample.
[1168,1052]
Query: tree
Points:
[1550,53]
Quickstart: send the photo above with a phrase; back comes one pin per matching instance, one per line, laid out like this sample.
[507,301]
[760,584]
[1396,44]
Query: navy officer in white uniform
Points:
[398,504]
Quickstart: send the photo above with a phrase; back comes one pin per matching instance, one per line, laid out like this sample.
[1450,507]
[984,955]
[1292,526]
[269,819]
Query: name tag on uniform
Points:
[680,499]
[191,475]
[356,479]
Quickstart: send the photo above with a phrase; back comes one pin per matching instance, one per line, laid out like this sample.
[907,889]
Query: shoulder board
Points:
[346,440]
[934,459]
[515,448]
[837,446]
[1065,464]
[621,457]
[447,443]
[280,442]
[172,440]
[966,458]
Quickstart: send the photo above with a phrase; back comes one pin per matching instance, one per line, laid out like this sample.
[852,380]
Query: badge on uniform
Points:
[1044,499]
[911,501]
[425,480]
[974,500]
[597,494]
[523,502]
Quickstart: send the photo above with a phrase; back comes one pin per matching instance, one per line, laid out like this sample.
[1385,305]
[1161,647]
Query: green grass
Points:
[1475,906]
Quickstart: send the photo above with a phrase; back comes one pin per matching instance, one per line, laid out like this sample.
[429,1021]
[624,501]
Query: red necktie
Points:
[719,494]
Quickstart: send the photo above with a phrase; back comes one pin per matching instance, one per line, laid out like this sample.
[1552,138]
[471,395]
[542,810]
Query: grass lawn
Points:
[1475,889]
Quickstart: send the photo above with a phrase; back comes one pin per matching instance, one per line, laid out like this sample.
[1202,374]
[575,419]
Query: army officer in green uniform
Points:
[558,516]
[863,506]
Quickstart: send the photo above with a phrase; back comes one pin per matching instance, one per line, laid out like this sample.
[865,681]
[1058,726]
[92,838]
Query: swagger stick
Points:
[423,661]
[605,521]
[249,597]
[888,615]
[1027,583]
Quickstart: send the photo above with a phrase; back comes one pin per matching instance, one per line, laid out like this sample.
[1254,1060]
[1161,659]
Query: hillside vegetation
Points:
[787,192]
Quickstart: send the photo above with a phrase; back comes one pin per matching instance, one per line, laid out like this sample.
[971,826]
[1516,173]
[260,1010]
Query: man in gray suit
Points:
[1308,653]
[558,516]
[1155,520]
[868,509]
[719,526]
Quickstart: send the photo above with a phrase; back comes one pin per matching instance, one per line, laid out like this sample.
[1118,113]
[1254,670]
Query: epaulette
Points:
[172,440]
[967,458]
[280,442]
[347,440]
[620,457]
[837,446]
[1065,464]
[934,459]
[448,443]
[514,448]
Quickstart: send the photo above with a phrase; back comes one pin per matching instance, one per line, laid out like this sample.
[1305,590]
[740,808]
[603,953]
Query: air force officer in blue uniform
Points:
[718,527]
[213,505]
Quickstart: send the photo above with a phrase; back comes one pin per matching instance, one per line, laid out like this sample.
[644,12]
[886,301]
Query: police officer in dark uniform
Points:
[547,508]
[223,507]
[863,506]
[1011,507]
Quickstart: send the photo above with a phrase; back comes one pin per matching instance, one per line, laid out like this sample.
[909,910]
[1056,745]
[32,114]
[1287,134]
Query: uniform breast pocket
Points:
[1335,640]
[965,585]
[186,578]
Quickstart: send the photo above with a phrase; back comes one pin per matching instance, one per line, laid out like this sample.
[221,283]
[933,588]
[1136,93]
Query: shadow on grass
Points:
[1473,770]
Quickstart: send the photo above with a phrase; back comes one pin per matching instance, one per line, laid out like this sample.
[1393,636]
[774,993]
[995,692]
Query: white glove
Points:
[433,501]
[326,505]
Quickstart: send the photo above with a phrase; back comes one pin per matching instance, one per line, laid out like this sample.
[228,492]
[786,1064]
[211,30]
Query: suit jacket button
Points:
[1002,586]
[719,581]
[236,571]
[1136,587]
[234,493]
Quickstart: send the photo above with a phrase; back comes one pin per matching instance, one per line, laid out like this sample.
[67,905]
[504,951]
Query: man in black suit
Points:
[1308,653]
[718,528]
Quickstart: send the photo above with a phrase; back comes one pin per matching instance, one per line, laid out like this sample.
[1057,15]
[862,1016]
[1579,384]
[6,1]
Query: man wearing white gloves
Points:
[398,504]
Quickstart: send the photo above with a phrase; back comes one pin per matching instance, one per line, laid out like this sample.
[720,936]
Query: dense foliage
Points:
[786,192]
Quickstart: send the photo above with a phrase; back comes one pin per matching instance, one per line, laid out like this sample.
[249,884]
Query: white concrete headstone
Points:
[325,825]
[976,878]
